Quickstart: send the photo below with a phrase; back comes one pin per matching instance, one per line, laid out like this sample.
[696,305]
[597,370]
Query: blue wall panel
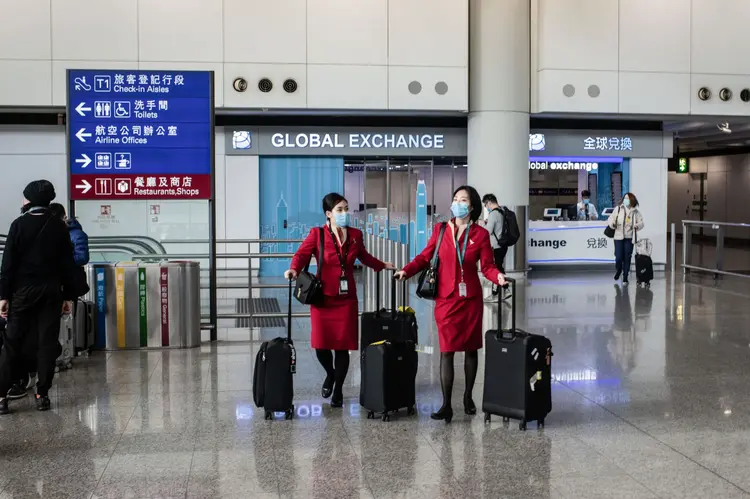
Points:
[292,189]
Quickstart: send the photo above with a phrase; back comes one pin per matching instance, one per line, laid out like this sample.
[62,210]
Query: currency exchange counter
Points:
[145,305]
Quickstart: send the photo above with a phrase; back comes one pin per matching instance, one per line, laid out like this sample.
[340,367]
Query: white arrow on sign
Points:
[80,108]
[84,186]
[82,134]
[84,161]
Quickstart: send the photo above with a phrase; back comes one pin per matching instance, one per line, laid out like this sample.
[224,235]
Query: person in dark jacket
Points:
[36,285]
[78,237]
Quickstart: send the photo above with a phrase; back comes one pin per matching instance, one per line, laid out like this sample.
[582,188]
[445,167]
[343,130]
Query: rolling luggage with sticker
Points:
[644,266]
[390,325]
[84,326]
[517,372]
[273,377]
[67,342]
[389,375]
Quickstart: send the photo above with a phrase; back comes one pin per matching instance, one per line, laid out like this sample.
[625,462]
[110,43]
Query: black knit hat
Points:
[39,192]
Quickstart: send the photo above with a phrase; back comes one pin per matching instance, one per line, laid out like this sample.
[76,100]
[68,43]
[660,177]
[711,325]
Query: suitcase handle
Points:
[393,292]
[289,315]
[512,307]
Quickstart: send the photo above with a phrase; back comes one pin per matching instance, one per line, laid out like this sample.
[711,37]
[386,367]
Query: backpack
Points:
[510,233]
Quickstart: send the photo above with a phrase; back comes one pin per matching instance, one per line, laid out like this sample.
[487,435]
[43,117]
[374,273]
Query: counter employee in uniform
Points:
[587,209]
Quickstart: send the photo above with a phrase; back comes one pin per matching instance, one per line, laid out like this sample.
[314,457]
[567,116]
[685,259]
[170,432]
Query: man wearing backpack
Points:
[504,233]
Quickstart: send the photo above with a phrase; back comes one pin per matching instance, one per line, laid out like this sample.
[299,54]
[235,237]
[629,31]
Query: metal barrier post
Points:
[719,247]
[250,289]
[686,249]
[673,246]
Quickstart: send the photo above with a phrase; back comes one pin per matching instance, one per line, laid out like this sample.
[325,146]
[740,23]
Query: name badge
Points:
[343,286]
[461,289]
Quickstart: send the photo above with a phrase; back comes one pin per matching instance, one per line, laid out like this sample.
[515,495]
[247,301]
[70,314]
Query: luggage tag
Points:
[343,286]
[462,289]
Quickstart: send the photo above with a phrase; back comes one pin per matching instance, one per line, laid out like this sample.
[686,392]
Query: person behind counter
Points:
[626,220]
[587,209]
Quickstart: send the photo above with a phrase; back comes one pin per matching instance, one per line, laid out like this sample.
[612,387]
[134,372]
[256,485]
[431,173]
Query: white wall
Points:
[648,181]
[726,189]
[644,56]
[360,54]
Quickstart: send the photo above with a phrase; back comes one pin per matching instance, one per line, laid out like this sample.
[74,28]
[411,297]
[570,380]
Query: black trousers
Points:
[499,254]
[34,314]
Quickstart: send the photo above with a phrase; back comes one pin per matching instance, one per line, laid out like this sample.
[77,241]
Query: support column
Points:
[499,98]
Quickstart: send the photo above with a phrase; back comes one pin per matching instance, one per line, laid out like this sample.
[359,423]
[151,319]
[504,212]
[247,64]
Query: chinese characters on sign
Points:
[140,134]
[607,144]
[596,243]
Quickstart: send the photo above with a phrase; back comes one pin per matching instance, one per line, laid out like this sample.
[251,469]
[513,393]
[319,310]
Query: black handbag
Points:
[308,289]
[427,287]
[608,230]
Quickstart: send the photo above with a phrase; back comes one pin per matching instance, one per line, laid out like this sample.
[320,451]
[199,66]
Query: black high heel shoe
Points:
[327,389]
[444,414]
[470,408]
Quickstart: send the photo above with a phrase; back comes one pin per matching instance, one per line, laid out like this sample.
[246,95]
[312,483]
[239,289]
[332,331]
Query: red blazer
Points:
[478,249]
[331,266]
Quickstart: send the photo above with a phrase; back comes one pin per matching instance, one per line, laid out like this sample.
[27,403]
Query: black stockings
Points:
[471,365]
[336,370]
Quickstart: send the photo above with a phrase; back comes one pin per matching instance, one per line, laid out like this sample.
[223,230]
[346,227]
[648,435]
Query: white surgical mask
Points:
[626,202]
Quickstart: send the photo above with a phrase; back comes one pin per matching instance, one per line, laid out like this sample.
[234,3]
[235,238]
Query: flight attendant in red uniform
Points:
[335,323]
[459,304]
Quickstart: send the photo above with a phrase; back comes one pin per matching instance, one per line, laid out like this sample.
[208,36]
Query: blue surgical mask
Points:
[626,202]
[585,201]
[460,210]
[341,219]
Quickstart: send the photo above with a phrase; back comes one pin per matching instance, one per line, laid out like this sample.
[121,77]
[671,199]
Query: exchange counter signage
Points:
[348,142]
[445,142]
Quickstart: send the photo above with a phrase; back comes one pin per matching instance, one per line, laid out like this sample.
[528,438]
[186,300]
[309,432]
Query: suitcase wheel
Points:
[540,424]
[522,425]
[386,417]
[370,415]
[411,411]
[289,414]
[487,417]
[269,415]
[506,420]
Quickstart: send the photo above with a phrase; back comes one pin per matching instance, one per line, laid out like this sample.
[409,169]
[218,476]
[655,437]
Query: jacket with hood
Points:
[80,242]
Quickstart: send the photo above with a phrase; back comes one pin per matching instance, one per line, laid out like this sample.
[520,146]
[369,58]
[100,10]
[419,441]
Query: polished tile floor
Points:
[651,399]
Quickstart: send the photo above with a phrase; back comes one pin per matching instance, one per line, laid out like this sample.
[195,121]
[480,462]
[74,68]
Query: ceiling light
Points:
[724,127]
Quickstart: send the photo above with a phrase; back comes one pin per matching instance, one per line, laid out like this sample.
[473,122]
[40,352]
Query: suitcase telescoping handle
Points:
[393,292]
[289,314]
[511,333]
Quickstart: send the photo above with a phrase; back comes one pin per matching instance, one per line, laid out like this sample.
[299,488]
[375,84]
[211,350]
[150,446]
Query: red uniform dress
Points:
[335,323]
[458,318]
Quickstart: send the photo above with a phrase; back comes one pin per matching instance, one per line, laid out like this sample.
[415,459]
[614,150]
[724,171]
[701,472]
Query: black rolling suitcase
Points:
[390,325]
[273,377]
[644,266]
[517,373]
[389,374]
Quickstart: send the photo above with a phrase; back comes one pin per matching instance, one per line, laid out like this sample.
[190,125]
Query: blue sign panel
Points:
[140,134]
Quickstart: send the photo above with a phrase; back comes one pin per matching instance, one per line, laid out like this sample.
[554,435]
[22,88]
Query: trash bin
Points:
[146,305]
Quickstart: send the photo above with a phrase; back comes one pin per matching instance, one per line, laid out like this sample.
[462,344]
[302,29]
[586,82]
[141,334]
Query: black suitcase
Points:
[517,373]
[389,375]
[644,270]
[388,325]
[84,326]
[273,377]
